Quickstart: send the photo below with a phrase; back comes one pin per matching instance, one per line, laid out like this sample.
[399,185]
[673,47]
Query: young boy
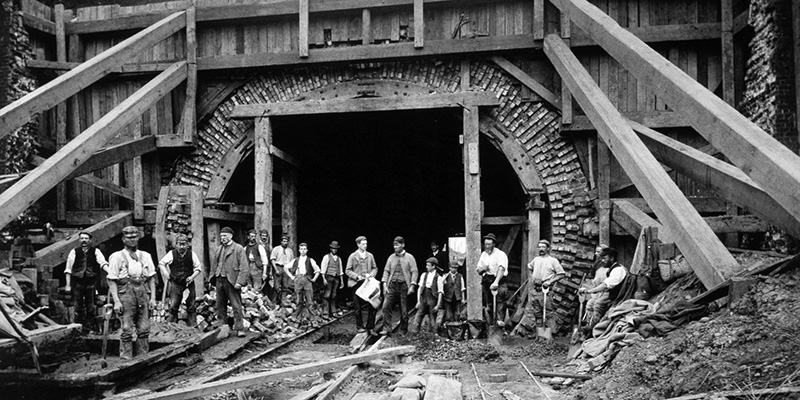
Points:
[455,292]
[303,271]
[429,297]
[333,278]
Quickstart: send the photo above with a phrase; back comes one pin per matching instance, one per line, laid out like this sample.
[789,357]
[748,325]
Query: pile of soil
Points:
[432,347]
[752,345]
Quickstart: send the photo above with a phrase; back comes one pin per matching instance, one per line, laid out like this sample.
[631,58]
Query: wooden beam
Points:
[728,78]
[198,234]
[603,192]
[419,25]
[210,213]
[533,230]
[710,260]
[701,204]
[650,119]
[538,19]
[92,180]
[138,176]
[741,21]
[373,52]
[422,102]
[508,242]
[528,81]
[61,109]
[263,175]
[727,180]
[658,33]
[366,27]
[763,158]
[161,220]
[472,209]
[302,43]
[38,23]
[511,220]
[189,118]
[244,381]
[796,52]
[56,91]
[56,168]
[736,224]
[289,205]
[286,157]
[632,219]
[56,253]
[115,155]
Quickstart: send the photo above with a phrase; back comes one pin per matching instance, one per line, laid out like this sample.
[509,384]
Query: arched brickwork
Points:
[533,126]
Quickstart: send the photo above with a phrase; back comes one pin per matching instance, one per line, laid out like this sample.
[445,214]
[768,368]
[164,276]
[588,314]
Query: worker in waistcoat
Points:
[257,261]
[399,281]
[332,270]
[228,274]
[132,284]
[303,271]
[83,277]
[280,258]
[455,292]
[179,267]
[429,297]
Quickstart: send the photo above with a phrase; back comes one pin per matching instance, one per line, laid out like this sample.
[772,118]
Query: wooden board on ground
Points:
[227,348]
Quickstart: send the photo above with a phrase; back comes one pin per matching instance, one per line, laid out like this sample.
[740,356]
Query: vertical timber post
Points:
[366,26]
[472,210]
[419,25]
[263,170]
[198,229]
[534,233]
[302,43]
[603,184]
[289,204]
[61,111]
[189,112]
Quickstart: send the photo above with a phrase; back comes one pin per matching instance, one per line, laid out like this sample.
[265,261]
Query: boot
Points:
[142,346]
[125,350]
[191,320]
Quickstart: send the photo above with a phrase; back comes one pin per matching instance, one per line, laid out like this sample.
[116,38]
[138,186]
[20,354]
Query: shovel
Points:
[544,332]
[494,307]
[577,341]
[107,310]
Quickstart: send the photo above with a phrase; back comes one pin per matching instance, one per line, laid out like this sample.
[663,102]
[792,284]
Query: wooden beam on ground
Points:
[444,100]
[11,348]
[511,220]
[528,81]
[263,172]
[334,386]
[244,381]
[763,158]
[115,155]
[740,393]
[60,89]
[189,118]
[727,180]
[372,52]
[650,119]
[632,220]
[289,204]
[56,253]
[710,260]
[302,43]
[56,168]
[419,25]
[472,209]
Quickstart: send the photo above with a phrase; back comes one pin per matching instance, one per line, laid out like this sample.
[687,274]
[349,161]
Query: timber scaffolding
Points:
[123,102]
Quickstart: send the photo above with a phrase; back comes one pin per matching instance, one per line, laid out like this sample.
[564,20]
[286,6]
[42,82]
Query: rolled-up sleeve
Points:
[70,262]
[615,277]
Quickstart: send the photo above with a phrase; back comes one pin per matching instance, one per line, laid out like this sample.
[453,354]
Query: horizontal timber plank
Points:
[511,220]
[115,155]
[701,204]
[227,216]
[38,23]
[56,253]
[650,119]
[100,183]
[445,100]
[659,33]
[736,223]
[528,81]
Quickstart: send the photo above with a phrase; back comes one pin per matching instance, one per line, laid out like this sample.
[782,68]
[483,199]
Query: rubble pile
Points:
[750,346]
[432,347]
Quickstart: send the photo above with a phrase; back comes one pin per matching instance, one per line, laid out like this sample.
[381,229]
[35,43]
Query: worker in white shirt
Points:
[303,271]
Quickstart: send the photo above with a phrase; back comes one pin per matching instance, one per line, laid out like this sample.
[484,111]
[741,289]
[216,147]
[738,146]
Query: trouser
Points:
[225,293]
[533,314]
[596,307]
[83,295]
[282,285]
[396,293]
[255,276]
[329,295]
[304,290]
[427,307]
[135,310]
[357,303]
[451,310]
[175,296]
[488,299]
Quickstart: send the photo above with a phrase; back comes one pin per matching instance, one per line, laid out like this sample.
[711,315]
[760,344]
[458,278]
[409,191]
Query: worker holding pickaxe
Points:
[179,267]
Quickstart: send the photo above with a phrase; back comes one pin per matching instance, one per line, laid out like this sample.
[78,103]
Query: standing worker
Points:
[455,292]
[279,258]
[493,267]
[131,277]
[399,280]
[303,271]
[257,271]
[332,270]
[83,267]
[545,270]
[228,273]
[179,268]
[429,297]
[361,266]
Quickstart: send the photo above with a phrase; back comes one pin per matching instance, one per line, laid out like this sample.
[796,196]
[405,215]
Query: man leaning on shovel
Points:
[493,267]
[545,272]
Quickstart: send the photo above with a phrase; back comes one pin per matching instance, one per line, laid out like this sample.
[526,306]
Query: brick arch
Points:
[526,132]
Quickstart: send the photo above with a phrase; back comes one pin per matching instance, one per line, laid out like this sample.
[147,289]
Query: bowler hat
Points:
[491,237]
[226,229]
[334,245]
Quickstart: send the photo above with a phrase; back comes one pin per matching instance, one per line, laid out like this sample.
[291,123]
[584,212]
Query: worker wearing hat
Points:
[332,269]
[83,270]
[228,272]
[399,280]
[361,267]
[607,282]
[280,257]
[429,297]
[258,263]
[493,267]
[132,284]
[544,272]
[179,267]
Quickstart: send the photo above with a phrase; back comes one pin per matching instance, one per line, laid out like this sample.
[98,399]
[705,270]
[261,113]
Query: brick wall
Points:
[769,98]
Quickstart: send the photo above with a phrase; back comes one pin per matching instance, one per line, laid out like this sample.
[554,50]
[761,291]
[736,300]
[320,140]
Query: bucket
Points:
[456,330]
[477,328]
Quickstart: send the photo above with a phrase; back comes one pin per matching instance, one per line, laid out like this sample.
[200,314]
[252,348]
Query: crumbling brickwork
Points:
[769,97]
[533,124]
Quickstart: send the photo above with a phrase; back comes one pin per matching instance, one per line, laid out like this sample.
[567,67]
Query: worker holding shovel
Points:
[179,267]
[545,271]
[493,267]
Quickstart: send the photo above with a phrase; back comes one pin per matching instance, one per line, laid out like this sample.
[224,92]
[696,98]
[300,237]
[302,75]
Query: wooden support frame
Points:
[632,219]
[115,155]
[710,260]
[56,168]
[763,158]
[366,26]
[289,204]
[445,100]
[472,209]
[263,172]
[56,253]
[603,192]
[61,109]
[189,118]
[729,181]
[160,232]
[796,47]
[419,25]
[38,23]
[538,19]
[60,89]
[302,43]
[198,231]
[528,81]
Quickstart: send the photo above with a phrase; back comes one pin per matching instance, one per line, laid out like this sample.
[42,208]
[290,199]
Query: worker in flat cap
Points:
[360,267]
[544,272]
[332,269]
[303,271]
[83,277]
[399,281]
[455,292]
[429,297]
[493,268]
[132,284]
[279,258]
[258,263]
[607,282]
[179,268]
[228,273]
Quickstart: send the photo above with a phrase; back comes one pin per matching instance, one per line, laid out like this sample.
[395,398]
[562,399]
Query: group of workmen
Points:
[131,276]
